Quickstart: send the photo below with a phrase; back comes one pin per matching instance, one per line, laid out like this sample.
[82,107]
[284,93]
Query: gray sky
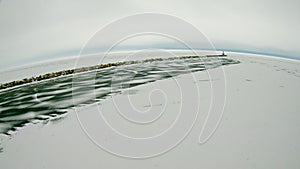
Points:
[34,30]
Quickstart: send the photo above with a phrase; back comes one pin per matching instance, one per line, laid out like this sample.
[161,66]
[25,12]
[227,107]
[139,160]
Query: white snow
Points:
[259,127]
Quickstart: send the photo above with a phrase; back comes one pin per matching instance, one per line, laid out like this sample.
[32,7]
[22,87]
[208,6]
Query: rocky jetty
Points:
[84,69]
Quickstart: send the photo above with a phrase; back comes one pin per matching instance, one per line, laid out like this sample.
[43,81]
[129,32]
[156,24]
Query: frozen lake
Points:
[258,126]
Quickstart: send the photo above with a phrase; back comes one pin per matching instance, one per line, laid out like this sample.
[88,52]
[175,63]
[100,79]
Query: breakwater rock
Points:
[89,68]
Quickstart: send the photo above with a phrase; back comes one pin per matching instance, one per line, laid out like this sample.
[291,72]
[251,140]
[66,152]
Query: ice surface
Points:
[259,128]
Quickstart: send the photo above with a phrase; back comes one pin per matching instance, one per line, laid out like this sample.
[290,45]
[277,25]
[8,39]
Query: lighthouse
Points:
[223,54]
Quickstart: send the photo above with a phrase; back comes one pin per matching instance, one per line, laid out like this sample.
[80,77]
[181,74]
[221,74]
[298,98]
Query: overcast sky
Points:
[34,30]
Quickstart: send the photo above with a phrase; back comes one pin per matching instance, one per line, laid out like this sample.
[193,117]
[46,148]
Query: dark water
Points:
[49,100]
